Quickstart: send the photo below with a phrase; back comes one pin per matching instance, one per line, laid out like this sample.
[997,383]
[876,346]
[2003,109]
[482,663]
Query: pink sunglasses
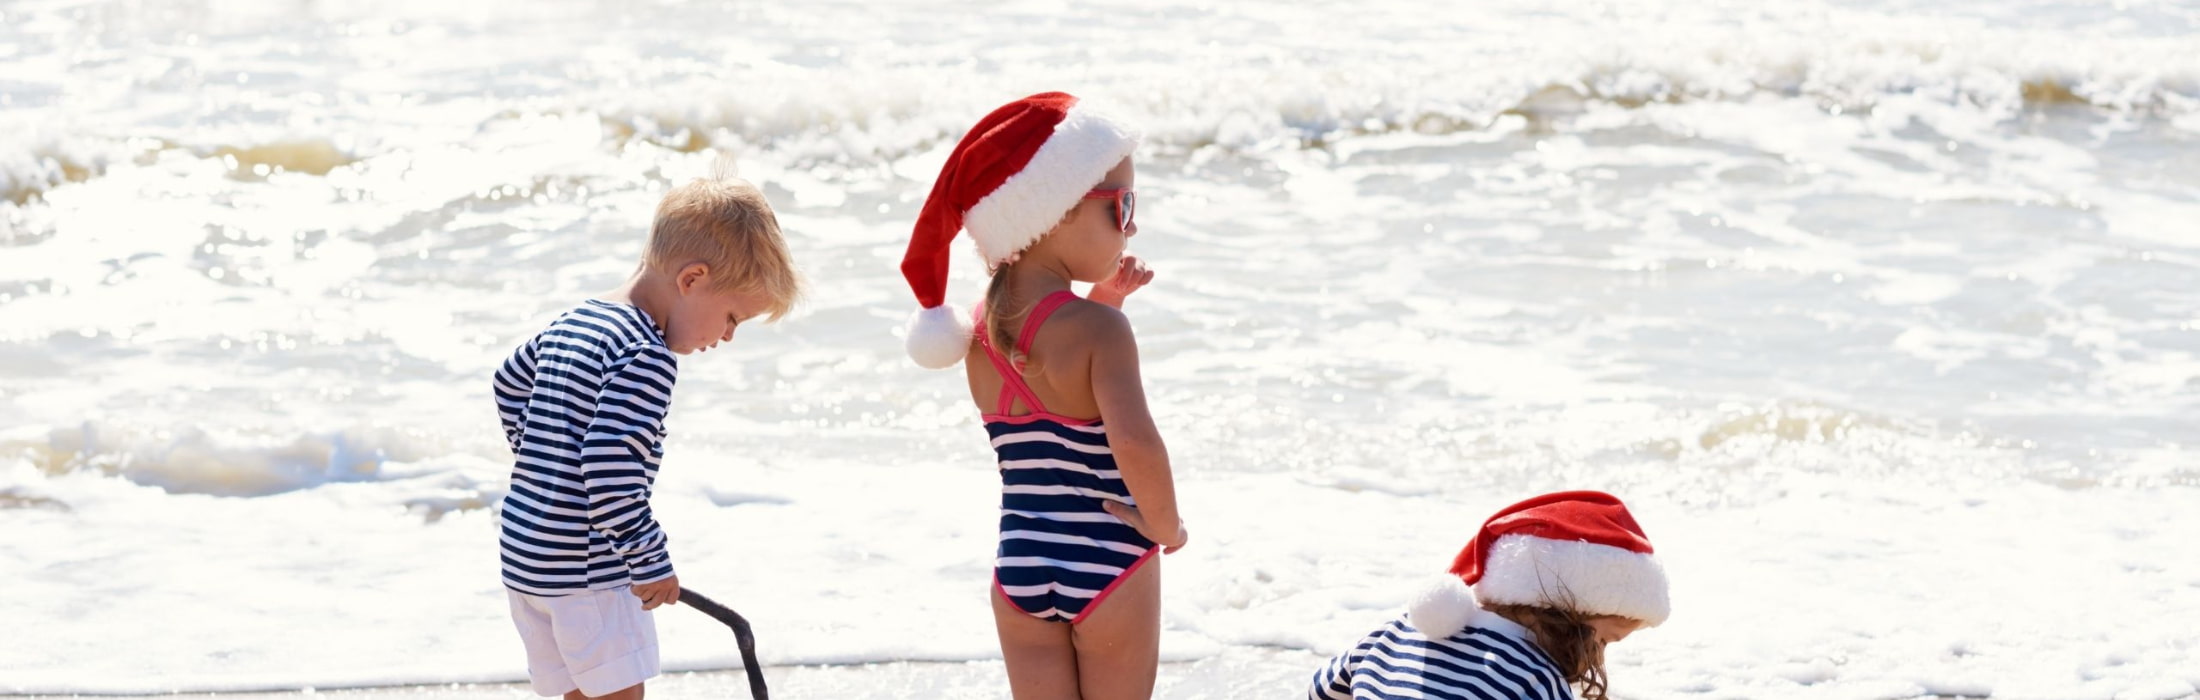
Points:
[1126,204]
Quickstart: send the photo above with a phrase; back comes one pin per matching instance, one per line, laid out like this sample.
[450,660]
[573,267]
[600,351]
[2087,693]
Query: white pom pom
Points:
[1443,608]
[939,337]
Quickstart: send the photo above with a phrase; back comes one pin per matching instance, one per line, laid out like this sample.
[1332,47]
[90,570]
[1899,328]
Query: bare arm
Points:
[1130,275]
[1139,452]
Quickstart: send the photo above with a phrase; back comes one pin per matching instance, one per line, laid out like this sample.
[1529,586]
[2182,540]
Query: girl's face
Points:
[1090,241]
[1612,628]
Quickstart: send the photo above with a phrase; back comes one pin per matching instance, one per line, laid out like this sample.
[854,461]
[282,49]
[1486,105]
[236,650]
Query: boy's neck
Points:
[649,291]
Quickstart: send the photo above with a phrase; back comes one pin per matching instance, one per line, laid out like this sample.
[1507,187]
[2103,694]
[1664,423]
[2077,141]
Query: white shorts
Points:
[598,642]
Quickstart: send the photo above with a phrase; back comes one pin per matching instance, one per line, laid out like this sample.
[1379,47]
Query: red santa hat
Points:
[1578,550]
[1008,182]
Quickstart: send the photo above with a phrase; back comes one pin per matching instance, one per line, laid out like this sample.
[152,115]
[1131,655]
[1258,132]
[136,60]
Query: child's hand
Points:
[1130,274]
[1169,542]
[658,593]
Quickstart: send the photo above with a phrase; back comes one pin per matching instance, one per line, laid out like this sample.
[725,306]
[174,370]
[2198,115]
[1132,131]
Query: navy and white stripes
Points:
[583,406]
[1493,659]
[1060,552]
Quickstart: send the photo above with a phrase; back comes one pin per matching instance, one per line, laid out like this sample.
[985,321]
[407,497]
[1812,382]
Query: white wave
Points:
[216,461]
[852,91]
[33,160]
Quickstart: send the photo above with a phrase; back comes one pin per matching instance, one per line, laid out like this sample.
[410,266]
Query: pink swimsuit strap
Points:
[1012,376]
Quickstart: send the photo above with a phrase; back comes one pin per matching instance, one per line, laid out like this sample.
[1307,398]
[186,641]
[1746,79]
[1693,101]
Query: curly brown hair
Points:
[1566,636]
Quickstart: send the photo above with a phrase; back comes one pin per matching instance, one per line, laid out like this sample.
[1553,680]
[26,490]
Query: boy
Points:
[583,405]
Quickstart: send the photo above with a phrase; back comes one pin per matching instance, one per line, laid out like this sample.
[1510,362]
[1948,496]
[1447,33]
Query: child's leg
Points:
[631,693]
[1041,663]
[1119,644]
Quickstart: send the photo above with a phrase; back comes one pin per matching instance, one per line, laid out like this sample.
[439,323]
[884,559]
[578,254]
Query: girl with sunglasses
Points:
[1044,186]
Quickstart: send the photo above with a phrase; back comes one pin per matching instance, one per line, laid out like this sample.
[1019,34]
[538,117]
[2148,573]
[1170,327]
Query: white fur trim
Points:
[938,337]
[1442,608]
[1596,579]
[1078,155]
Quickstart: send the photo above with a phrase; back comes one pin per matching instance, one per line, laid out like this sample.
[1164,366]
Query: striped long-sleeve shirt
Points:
[1492,659]
[583,405]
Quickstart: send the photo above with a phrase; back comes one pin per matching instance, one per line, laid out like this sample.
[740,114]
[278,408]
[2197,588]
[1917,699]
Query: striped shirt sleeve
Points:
[617,454]
[1334,681]
[515,381]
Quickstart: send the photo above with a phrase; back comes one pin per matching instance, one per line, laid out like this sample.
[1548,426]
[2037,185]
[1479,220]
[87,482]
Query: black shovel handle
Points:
[741,636]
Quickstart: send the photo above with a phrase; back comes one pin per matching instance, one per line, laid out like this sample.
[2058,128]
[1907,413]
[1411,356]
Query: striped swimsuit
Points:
[1060,552]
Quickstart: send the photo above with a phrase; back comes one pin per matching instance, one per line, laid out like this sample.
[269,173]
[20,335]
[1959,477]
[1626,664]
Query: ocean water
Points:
[1884,316]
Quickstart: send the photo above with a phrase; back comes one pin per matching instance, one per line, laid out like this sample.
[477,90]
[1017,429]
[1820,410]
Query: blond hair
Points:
[725,223]
[1001,309]
[999,312]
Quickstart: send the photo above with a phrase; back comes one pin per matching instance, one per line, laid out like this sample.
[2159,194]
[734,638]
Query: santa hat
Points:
[1578,550]
[1008,182]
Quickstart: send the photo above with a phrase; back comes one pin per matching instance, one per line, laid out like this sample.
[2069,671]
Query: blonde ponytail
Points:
[1000,316]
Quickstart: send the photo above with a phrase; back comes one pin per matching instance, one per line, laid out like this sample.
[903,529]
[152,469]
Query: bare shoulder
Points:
[1091,323]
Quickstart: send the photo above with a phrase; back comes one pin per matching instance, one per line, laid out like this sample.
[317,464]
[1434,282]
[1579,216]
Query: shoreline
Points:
[1244,672]
[1237,673]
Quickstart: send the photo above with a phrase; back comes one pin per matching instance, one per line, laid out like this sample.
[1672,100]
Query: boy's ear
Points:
[692,275]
